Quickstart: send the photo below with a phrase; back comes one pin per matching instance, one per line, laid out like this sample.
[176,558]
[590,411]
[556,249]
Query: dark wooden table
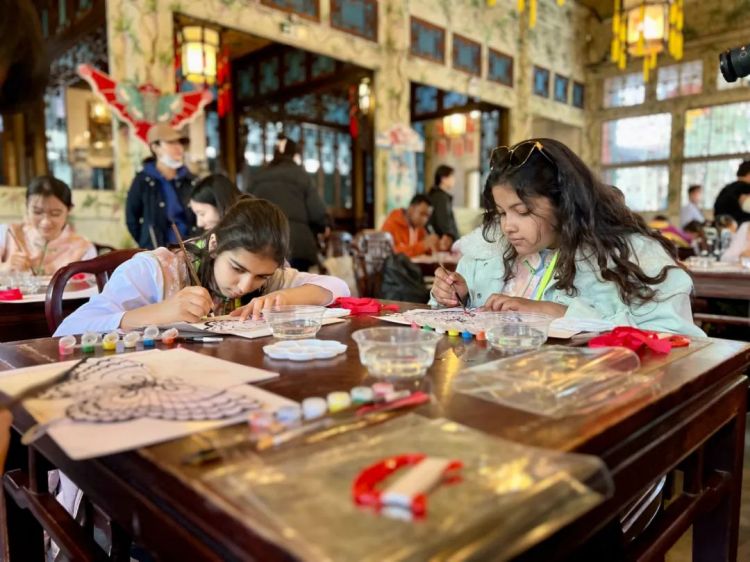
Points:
[22,321]
[694,421]
[721,284]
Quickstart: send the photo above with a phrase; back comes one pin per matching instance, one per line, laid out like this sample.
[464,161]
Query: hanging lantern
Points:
[532,9]
[198,48]
[454,125]
[364,96]
[646,28]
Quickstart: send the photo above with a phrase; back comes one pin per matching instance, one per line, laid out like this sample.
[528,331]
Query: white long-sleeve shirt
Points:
[140,282]
[740,243]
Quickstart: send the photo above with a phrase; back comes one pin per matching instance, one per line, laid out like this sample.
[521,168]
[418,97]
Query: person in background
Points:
[408,228]
[159,194]
[679,237]
[45,242]
[739,247]
[244,254]
[24,71]
[211,198]
[691,211]
[696,232]
[734,199]
[286,183]
[556,240]
[725,222]
[443,222]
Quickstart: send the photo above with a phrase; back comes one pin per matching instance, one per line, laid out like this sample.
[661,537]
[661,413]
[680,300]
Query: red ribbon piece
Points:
[634,339]
[363,305]
[11,295]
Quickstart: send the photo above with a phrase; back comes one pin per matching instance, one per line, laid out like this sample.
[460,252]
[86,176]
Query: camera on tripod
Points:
[735,63]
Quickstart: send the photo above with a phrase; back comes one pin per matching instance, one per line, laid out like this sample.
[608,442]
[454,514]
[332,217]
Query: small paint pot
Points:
[130,340]
[314,407]
[109,341]
[89,341]
[362,394]
[338,401]
[66,345]
[149,336]
[169,336]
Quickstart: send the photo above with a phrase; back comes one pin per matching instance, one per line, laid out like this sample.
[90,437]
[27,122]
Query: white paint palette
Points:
[304,350]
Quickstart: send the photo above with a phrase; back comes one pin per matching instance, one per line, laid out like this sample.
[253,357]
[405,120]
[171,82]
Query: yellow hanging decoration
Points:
[521,7]
[645,28]
[491,3]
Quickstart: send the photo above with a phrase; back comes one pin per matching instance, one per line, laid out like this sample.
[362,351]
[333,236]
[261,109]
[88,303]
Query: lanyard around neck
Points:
[546,278]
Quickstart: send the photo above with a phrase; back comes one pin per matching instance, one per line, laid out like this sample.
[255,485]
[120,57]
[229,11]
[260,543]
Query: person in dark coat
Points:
[442,222]
[160,193]
[287,184]
[734,199]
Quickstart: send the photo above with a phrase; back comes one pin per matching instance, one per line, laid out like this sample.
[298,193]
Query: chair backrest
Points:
[338,244]
[371,249]
[101,267]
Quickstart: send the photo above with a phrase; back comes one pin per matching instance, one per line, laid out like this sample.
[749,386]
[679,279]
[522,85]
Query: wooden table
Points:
[428,264]
[695,420]
[21,321]
[721,284]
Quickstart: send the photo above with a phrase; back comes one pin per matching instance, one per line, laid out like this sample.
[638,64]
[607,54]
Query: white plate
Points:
[304,350]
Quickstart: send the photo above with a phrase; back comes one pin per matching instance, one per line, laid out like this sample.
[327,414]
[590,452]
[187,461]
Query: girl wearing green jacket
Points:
[556,240]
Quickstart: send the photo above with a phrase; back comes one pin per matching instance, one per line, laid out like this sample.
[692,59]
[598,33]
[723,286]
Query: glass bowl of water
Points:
[516,332]
[396,352]
[292,322]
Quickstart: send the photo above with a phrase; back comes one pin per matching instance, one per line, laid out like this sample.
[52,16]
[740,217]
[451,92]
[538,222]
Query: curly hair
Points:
[591,219]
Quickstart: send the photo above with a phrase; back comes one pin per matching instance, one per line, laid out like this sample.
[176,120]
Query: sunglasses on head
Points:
[512,157]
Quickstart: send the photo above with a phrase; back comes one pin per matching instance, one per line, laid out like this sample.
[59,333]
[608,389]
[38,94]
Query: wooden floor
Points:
[682,550]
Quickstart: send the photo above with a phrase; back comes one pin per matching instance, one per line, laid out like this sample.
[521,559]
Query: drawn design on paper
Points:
[442,319]
[117,389]
[232,326]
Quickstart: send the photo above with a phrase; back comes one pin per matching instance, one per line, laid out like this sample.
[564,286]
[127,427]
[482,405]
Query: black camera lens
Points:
[735,63]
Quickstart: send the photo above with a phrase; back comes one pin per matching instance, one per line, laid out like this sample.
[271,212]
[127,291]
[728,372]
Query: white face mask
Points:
[170,162]
[746,204]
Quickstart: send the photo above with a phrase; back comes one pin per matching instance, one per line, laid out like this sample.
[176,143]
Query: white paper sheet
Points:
[67,295]
[82,440]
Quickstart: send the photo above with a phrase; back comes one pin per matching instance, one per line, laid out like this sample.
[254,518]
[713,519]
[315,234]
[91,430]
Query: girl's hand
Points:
[189,305]
[497,302]
[19,262]
[446,285]
[255,307]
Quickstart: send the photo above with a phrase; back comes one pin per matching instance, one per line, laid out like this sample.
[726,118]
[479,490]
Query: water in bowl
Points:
[392,361]
[297,328]
[515,338]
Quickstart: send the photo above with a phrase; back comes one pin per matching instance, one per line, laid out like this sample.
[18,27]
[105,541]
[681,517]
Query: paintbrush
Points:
[191,270]
[38,388]
[23,248]
[455,292]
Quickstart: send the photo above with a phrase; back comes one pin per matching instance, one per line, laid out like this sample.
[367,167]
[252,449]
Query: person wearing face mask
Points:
[160,193]
[45,241]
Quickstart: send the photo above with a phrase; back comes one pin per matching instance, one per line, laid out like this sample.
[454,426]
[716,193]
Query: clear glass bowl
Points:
[516,332]
[396,352]
[292,322]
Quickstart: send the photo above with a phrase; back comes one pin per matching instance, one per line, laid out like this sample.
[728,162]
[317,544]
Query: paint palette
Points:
[304,350]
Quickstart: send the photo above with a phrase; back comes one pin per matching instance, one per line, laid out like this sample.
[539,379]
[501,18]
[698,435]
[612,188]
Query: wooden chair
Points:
[371,248]
[338,244]
[101,267]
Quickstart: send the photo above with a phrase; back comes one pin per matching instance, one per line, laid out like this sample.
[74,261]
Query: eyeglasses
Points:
[512,157]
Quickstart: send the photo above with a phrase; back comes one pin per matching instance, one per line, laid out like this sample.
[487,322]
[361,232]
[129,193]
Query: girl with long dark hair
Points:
[244,254]
[557,240]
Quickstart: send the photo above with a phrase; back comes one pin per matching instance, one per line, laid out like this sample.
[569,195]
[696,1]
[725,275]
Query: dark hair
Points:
[22,53]
[420,198]
[442,171]
[47,186]
[255,225]
[284,150]
[664,218]
[590,216]
[693,188]
[217,190]
[694,227]
[723,221]
[743,169]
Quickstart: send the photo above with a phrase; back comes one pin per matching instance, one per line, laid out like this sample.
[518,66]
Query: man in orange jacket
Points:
[407,226]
